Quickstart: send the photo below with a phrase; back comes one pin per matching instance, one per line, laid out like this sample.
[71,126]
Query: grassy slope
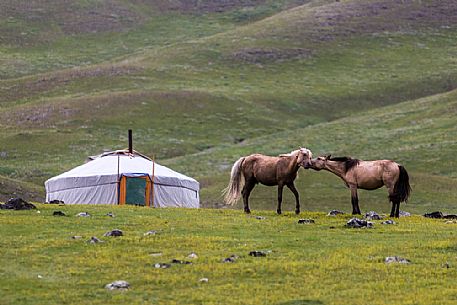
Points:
[300,67]
[419,134]
[322,263]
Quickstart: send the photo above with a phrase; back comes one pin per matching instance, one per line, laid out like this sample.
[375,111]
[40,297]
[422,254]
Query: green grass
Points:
[321,263]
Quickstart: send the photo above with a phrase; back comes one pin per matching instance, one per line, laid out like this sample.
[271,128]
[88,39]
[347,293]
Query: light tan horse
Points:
[368,175]
[257,168]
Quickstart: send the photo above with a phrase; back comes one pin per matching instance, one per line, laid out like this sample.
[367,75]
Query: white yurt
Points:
[124,177]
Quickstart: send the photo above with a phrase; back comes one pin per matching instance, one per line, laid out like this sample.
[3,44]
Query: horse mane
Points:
[348,162]
[290,154]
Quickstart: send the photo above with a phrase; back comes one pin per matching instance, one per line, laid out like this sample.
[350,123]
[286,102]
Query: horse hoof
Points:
[279,212]
[247,211]
[297,212]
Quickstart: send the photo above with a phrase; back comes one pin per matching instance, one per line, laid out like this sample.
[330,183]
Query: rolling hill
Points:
[203,83]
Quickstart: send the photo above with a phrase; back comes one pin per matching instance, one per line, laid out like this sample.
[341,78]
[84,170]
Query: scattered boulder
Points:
[404,214]
[110,214]
[436,214]
[203,280]
[180,262]
[76,237]
[118,285]
[396,259]
[230,259]
[335,212]
[55,201]
[359,223]
[162,265]
[151,232]
[388,222]
[17,204]
[115,233]
[192,255]
[372,215]
[440,215]
[58,213]
[94,240]
[83,214]
[258,253]
[306,221]
[260,217]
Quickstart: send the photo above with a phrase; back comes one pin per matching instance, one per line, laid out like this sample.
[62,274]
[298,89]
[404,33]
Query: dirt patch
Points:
[387,15]
[72,17]
[261,56]
[38,85]
[200,6]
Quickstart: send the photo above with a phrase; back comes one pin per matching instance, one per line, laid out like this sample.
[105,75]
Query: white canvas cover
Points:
[96,182]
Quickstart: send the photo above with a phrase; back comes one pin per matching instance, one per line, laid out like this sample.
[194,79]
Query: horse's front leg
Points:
[355,200]
[291,186]
[280,187]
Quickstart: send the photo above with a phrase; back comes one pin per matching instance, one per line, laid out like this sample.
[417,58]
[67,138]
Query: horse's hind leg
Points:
[291,186]
[395,211]
[248,186]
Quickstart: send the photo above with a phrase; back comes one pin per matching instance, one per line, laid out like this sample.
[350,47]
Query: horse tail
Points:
[233,192]
[402,189]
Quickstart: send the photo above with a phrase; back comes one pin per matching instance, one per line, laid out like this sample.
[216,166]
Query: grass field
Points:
[321,263]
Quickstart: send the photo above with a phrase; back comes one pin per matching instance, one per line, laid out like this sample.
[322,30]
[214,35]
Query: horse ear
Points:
[328,156]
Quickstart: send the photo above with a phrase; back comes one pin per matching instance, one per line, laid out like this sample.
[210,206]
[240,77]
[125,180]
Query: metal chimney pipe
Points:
[130,142]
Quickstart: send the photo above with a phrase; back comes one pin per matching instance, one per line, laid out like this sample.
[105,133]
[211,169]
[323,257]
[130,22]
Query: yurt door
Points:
[136,190]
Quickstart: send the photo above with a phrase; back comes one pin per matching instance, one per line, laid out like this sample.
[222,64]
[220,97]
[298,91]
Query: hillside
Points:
[419,134]
[195,80]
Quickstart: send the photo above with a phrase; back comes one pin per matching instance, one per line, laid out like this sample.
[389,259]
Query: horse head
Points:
[319,162]
[304,157]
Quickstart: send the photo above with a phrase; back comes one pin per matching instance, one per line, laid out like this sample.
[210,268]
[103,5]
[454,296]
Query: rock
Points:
[260,218]
[94,240]
[58,213]
[440,215]
[55,201]
[83,214]
[17,204]
[180,262]
[404,214]
[192,255]
[436,214]
[307,221]
[257,253]
[372,215]
[359,223]
[152,232]
[334,213]
[230,259]
[203,280]
[388,222]
[115,233]
[76,237]
[396,259]
[155,254]
[118,285]
[162,266]
[110,214]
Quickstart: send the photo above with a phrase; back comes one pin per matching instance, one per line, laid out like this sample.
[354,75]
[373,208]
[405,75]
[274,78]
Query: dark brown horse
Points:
[257,168]
[368,175]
